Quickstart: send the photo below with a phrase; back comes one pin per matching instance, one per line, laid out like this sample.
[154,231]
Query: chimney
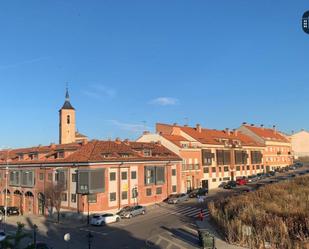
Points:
[52,146]
[274,128]
[235,131]
[198,128]
[252,124]
[185,125]
[117,140]
[146,132]
[84,141]
[262,126]
[126,141]
[227,131]
[175,124]
[244,123]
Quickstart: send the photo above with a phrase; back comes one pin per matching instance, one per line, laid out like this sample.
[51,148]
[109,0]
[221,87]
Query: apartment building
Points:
[219,155]
[106,175]
[300,144]
[278,148]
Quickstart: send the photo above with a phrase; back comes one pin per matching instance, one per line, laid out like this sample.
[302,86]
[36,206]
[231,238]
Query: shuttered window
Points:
[154,175]
[223,157]
[207,157]
[91,181]
[160,175]
[256,157]
[241,157]
[15,178]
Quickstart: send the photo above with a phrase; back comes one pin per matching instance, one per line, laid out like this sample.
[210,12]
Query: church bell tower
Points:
[67,121]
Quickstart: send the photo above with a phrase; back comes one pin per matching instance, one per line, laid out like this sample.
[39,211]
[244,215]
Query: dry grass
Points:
[277,214]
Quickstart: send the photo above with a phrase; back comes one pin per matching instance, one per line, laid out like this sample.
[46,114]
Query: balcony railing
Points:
[186,167]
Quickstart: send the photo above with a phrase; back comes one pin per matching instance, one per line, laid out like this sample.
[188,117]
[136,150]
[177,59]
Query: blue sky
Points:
[131,64]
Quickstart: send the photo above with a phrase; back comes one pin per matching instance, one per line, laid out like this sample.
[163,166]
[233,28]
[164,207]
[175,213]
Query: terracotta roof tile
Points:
[267,133]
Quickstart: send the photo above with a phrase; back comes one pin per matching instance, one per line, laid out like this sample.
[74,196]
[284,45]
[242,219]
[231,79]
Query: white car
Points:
[101,219]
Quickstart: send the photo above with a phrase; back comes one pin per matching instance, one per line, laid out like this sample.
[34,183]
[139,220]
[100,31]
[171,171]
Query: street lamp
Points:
[6,186]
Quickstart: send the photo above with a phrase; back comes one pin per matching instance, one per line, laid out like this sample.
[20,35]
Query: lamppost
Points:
[6,187]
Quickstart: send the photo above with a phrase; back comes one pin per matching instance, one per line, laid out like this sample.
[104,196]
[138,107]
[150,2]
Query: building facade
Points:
[219,155]
[300,144]
[278,148]
[106,175]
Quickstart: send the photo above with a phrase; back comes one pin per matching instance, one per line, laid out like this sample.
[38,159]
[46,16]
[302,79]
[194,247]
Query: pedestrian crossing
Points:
[192,212]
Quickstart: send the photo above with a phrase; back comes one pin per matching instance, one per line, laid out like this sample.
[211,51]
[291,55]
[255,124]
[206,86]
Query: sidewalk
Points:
[219,242]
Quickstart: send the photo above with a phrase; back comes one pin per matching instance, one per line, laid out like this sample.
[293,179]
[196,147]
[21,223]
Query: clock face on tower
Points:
[305,22]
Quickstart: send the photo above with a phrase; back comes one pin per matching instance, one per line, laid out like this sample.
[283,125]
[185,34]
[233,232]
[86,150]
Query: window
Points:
[124,176]
[64,197]
[124,195]
[237,168]
[92,198]
[133,174]
[41,176]
[73,198]
[15,178]
[154,175]
[20,157]
[112,176]
[240,157]
[213,169]
[173,172]
[33,156]
[226,178]
[159,191]
[223,157]
[134,192]
[91,181]
[226,168]
[50,176]
[257,166]
[206,170]
[174,188]
[147,152]
[74,177]
[27,178]
[256,157]
[112,196]
[68,119]
[148,192]
[243,167]
[60,154]
[214,179]
[248,167]
[207,157]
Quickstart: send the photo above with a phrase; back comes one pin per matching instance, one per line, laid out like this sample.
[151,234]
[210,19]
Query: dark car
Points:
[10,210]
[230,185]
[39,245]
[198,192]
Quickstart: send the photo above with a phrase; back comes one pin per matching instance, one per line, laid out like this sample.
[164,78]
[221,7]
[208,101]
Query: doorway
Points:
[205,184]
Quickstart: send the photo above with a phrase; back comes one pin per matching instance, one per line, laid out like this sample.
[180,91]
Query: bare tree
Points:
[53,194]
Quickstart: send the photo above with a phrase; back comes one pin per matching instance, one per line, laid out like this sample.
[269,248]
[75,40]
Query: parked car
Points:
[10,210]
[222,184]
[241,181]
[230,185]
[176,198]
[132,211]
[123,210]
[252,178]
[198,192]
[101,219]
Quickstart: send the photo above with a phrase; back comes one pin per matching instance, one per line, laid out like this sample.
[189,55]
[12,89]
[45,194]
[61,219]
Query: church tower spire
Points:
[67,121]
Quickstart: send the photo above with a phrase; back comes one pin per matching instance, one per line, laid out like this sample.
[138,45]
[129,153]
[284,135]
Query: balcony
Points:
[189,167]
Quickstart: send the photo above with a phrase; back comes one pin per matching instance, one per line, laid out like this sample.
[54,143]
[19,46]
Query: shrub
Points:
[276,214]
